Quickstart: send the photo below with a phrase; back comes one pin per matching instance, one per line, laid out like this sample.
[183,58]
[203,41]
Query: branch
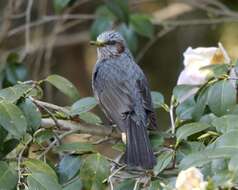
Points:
[97,130]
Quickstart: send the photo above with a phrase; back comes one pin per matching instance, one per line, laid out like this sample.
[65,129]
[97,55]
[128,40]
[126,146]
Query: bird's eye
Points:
[111,42]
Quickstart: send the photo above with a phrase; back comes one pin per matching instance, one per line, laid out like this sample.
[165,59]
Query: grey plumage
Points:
[122,91]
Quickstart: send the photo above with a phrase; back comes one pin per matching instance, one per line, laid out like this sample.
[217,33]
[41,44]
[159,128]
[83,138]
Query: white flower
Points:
[195,59]
[190,179]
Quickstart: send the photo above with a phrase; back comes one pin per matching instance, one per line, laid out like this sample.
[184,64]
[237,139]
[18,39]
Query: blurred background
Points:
[38,38]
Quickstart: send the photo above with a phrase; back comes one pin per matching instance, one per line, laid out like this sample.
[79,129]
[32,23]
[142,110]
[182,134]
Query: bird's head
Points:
[109,44]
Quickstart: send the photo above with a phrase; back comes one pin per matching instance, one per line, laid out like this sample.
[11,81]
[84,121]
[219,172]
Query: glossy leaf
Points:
[12,94]
[222,96]
[130,36]
[83,105]
[8,176]
[8,146]
[163,160]
[75,147]
[125,184]
[68,167]
[15,72]
[185,110]
[94,170]
[42,181]
[142,25]
[227,140]
[155,185]
[3,135]
[12,119]
[226,123]
[64,85]
[100,25]
[182,92]
[44,135]
[90,117]
[216,70]
[32,114]
[157,99]
[38,166]
[119,8]
[189,129]
[74,185]
[233,163]
[204,157]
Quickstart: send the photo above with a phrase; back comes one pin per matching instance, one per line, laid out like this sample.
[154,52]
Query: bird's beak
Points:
[97,43]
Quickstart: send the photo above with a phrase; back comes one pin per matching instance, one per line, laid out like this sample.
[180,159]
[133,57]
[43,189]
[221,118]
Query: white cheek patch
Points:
[123,137]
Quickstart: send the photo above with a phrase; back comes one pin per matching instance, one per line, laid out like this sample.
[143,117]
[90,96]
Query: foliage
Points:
[35,155]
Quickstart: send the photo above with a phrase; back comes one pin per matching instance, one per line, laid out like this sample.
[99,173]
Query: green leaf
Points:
[226,123]
[83,105]
[64,85]
[130,36]
[233,166]
[59,5]
[189,129]
[43,136]
[68,167]
[163,160]
[90,117]
[155,185]
[201,104]
[216,70]
[227,140]
[208,118]
[14,93]
[182,92]
[13,58]
[100,25]
[15,72]
[75,147]
[185,110]
[204,157]
[38,166]
[3,135]
[142,25]
[42,181]
[94,170]
[8,146]
[74,185]
[156,141]
[12,119]
[31,113]
[222,96]
[157,99]
[119,8]
[125,184]
[8,176]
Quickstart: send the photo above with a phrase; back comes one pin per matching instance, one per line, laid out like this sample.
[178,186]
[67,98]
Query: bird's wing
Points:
[113,94]
[147,101]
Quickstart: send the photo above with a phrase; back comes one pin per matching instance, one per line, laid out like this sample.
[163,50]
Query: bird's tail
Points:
[138,149]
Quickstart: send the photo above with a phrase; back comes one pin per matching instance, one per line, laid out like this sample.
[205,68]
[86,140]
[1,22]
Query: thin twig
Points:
[51,106]
[48,19]
[113,174]
[152,42]
[19,159]
[55,141]
[98,130]
[27,26]
[171,114]
[136,184]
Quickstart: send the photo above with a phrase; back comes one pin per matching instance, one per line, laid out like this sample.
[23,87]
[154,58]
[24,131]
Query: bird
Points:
[123,93]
